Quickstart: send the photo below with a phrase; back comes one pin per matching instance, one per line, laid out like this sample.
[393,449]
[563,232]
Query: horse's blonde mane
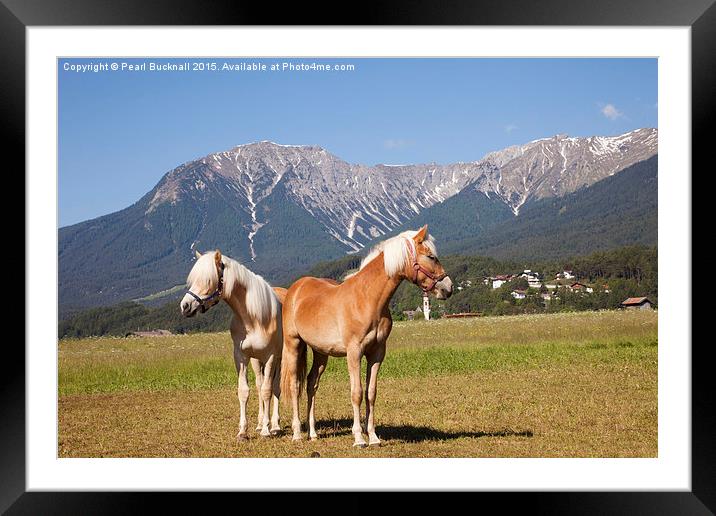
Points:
[261,301]
[395,252]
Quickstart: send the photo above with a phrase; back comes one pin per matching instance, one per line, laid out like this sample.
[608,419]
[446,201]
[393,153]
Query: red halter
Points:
[419,268]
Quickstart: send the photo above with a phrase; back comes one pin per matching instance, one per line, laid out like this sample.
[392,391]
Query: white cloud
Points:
[397,144]
[510,127]
[611,112]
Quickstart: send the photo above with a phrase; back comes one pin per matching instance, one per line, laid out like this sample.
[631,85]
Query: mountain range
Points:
[281,208]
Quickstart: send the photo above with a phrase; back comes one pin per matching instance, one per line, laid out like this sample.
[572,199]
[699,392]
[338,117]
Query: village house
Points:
[532,278]
[423,311]
[411,314]
[467,284]
[565,275]
[519,294]
[534,282]
[499,280]
[637,303]
[580,287]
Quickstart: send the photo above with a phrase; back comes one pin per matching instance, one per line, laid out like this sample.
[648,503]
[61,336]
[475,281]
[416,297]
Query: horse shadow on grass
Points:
[411,433]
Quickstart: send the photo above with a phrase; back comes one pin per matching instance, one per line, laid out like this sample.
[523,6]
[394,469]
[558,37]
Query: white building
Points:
[532,278]
[498,281]
[426,307]
[565,275]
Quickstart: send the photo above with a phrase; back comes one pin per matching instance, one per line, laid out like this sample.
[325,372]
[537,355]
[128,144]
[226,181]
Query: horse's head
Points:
[205,283]
[424,269]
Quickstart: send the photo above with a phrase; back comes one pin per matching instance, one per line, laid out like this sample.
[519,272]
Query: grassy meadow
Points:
[551,385]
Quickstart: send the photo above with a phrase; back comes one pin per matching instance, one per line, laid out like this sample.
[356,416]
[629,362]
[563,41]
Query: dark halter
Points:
[419,268]
[217,293]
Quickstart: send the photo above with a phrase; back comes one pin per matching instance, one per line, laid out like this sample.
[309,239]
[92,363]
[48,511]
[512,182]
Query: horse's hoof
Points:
[360,445]
[296,439]
[376,443]
[264,435]
[274,433]
[242,438]
[314,438]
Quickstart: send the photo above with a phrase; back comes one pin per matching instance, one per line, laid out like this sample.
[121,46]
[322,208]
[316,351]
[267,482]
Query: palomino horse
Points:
[352,320]
[255,327]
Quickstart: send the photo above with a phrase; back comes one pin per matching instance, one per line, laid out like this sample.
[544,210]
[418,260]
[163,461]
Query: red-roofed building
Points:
[637,303]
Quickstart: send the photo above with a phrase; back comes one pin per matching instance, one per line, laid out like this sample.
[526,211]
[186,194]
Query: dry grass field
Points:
[563,385]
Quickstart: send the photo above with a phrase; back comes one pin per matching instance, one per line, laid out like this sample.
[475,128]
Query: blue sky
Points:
[120,132]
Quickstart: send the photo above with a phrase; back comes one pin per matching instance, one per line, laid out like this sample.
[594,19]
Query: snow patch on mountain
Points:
[356,204]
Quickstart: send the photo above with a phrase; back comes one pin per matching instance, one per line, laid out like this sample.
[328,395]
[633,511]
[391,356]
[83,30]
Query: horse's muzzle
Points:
[187,308]
[443,288]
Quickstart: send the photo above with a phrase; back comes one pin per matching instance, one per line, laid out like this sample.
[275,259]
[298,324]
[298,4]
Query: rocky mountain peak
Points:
[357,203]
[283,207]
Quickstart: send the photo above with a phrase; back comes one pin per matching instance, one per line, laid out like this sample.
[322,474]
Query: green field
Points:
[560,385]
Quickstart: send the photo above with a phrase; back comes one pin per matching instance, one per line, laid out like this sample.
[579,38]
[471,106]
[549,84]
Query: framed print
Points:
[205,204]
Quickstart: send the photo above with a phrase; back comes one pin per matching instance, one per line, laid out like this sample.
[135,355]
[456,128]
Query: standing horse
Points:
[255,327]
[352,320]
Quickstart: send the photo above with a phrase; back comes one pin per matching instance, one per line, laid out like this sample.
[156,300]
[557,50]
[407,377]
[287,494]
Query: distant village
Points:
[564,279]
[548,290]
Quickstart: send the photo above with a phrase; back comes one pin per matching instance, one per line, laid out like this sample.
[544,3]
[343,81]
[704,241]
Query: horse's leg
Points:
[265,395]
[259,374]
[371,390]
[354,357]
[317,368]
[276,392]
[242,369]
[290,377]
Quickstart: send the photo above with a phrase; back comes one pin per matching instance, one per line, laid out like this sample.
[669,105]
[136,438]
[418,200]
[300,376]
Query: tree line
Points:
[613,275]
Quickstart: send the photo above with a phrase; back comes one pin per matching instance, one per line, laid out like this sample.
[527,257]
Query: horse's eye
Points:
[431,257]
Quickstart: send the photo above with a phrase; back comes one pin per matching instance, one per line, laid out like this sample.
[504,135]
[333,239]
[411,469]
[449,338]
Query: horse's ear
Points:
[197,254]
[217,257]
[421,234]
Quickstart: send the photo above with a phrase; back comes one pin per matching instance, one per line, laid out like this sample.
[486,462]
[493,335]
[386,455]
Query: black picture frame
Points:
[16,15]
